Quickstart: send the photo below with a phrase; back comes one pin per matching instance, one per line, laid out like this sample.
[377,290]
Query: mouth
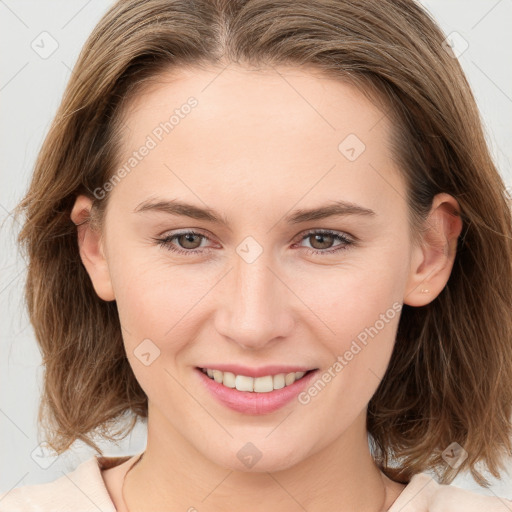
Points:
[265,392]
[260,384]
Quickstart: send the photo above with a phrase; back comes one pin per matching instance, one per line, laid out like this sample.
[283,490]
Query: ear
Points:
[432,258]
[91,248]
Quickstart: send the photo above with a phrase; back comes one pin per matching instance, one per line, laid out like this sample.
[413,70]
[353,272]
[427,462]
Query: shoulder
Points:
[82,490]
[424,494]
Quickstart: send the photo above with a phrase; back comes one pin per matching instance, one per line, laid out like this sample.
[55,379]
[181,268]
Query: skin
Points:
[260,144]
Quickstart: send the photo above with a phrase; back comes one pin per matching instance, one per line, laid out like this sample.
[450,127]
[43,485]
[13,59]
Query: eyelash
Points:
[166,242]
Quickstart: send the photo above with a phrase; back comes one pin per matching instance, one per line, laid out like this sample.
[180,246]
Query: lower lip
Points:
[248,402]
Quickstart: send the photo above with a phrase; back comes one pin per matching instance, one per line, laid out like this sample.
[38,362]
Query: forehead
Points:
[286,98]
[284,132]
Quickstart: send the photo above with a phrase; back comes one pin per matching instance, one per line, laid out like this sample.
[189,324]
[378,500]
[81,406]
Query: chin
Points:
[248,458]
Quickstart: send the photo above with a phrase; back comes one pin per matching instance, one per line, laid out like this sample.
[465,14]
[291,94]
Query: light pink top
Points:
[84,490]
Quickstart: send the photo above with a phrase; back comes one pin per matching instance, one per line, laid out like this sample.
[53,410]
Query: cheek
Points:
[362,340]
[359,307]
[156,309]
[359,356]
[352,296]
[161,300]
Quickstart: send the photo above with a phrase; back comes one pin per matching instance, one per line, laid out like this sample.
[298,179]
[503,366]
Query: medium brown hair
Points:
[449,377]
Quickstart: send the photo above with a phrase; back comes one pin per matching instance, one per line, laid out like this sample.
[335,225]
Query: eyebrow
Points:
[180,208]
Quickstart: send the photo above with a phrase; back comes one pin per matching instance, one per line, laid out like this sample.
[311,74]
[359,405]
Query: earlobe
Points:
[432,259]
[91,248]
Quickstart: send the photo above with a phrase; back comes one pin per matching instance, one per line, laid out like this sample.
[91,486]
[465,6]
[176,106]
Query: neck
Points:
[340,476]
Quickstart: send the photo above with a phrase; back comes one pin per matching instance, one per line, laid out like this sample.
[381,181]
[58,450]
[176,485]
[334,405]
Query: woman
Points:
[274,231]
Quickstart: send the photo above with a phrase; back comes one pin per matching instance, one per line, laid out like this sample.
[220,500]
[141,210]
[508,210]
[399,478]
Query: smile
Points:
[264,384]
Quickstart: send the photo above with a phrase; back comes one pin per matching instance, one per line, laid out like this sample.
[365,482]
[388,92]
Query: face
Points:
[265,283]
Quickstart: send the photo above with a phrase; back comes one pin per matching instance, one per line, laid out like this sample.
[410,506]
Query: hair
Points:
[449,377]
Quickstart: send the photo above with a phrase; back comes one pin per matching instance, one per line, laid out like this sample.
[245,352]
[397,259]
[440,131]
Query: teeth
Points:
[258,384]
[279,381]
[289,379]
[229,379]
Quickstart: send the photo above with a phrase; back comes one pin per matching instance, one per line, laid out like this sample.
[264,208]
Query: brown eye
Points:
[321,241]
[186,240]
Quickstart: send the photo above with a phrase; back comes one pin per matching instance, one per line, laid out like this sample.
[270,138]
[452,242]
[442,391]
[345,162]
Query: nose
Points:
[255,309]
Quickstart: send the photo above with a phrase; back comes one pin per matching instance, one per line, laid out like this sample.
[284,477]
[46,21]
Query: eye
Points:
[323,239]
[189,242]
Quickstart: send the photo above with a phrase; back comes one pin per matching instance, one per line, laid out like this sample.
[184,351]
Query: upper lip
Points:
[262,371]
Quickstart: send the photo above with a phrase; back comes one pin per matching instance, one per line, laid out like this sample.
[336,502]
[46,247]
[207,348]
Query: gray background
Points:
[30,91]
